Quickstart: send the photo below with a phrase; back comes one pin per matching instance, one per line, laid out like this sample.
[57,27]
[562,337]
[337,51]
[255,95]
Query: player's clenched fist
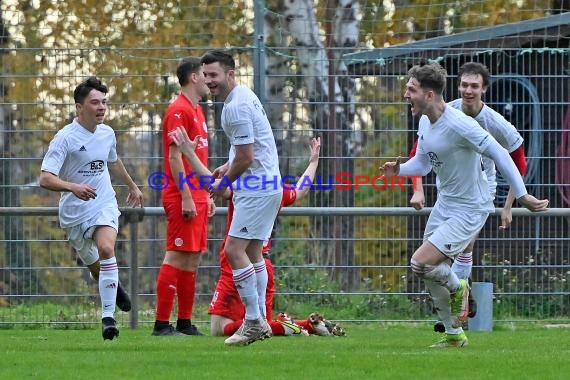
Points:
[391,168]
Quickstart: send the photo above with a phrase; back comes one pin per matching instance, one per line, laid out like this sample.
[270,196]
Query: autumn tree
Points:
[134,47]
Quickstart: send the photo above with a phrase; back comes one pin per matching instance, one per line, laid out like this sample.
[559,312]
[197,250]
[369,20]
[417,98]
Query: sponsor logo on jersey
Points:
[434,160]
[95,165]
[93,168]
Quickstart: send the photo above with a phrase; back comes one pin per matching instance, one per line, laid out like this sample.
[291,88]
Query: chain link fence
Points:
[352,264]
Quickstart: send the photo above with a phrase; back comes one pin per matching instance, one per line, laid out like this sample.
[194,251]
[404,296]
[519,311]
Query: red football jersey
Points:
[182,113]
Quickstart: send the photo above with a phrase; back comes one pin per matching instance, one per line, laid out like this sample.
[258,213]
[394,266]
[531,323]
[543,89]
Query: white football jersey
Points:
[79,156]
[504,132]
[453,147]
[245,122]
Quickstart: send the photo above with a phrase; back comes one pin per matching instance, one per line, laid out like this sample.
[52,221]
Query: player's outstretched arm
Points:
[519,158]
[506,211]
[418,199]
[188,148]
[533,204]
[508,169]
[419,165]
[315,149]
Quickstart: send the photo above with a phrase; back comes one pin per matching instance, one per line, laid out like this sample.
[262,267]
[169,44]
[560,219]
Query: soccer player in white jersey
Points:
[451,143]
[77,164]
[473,83]
[253,168]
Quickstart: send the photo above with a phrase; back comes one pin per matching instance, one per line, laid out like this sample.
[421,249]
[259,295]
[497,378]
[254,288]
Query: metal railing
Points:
[356,212]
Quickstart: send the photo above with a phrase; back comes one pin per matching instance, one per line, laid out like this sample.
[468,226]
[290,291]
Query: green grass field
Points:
[368,352]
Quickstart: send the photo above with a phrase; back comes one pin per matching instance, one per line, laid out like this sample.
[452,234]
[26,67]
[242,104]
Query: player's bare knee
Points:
[418,267]
[106,251]
[217,325]
[216,332]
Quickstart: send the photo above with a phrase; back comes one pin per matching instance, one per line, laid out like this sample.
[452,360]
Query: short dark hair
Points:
[475,68]
[223,57]
[430,76]
[187,66]
[85,87]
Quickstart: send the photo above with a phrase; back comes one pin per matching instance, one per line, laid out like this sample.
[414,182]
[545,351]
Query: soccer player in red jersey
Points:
[186,204]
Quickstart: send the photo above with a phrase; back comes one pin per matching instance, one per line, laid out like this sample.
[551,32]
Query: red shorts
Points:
[227,302]
[186,235]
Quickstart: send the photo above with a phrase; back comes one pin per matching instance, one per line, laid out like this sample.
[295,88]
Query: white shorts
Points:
[254,216]
[451,231]
[81,236]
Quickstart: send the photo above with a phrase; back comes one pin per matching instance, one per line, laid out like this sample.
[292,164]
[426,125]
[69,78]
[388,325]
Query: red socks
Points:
[232,327]
[186,290]
[166,284]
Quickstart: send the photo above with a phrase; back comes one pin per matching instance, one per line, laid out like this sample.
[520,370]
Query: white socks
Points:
[442,275]
[463,265]
[261,279]
[246,285]
[441,297]
[108,282]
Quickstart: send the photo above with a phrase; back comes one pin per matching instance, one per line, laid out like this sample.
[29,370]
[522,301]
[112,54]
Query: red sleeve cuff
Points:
[413,150]
[519,158]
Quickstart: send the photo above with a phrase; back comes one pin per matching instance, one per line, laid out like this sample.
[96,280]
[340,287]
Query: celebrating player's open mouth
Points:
[411,107]
[413,90]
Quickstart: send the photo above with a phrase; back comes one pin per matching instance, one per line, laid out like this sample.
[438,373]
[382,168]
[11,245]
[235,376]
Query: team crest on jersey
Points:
[203,143]
[434,161]
[178,242]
